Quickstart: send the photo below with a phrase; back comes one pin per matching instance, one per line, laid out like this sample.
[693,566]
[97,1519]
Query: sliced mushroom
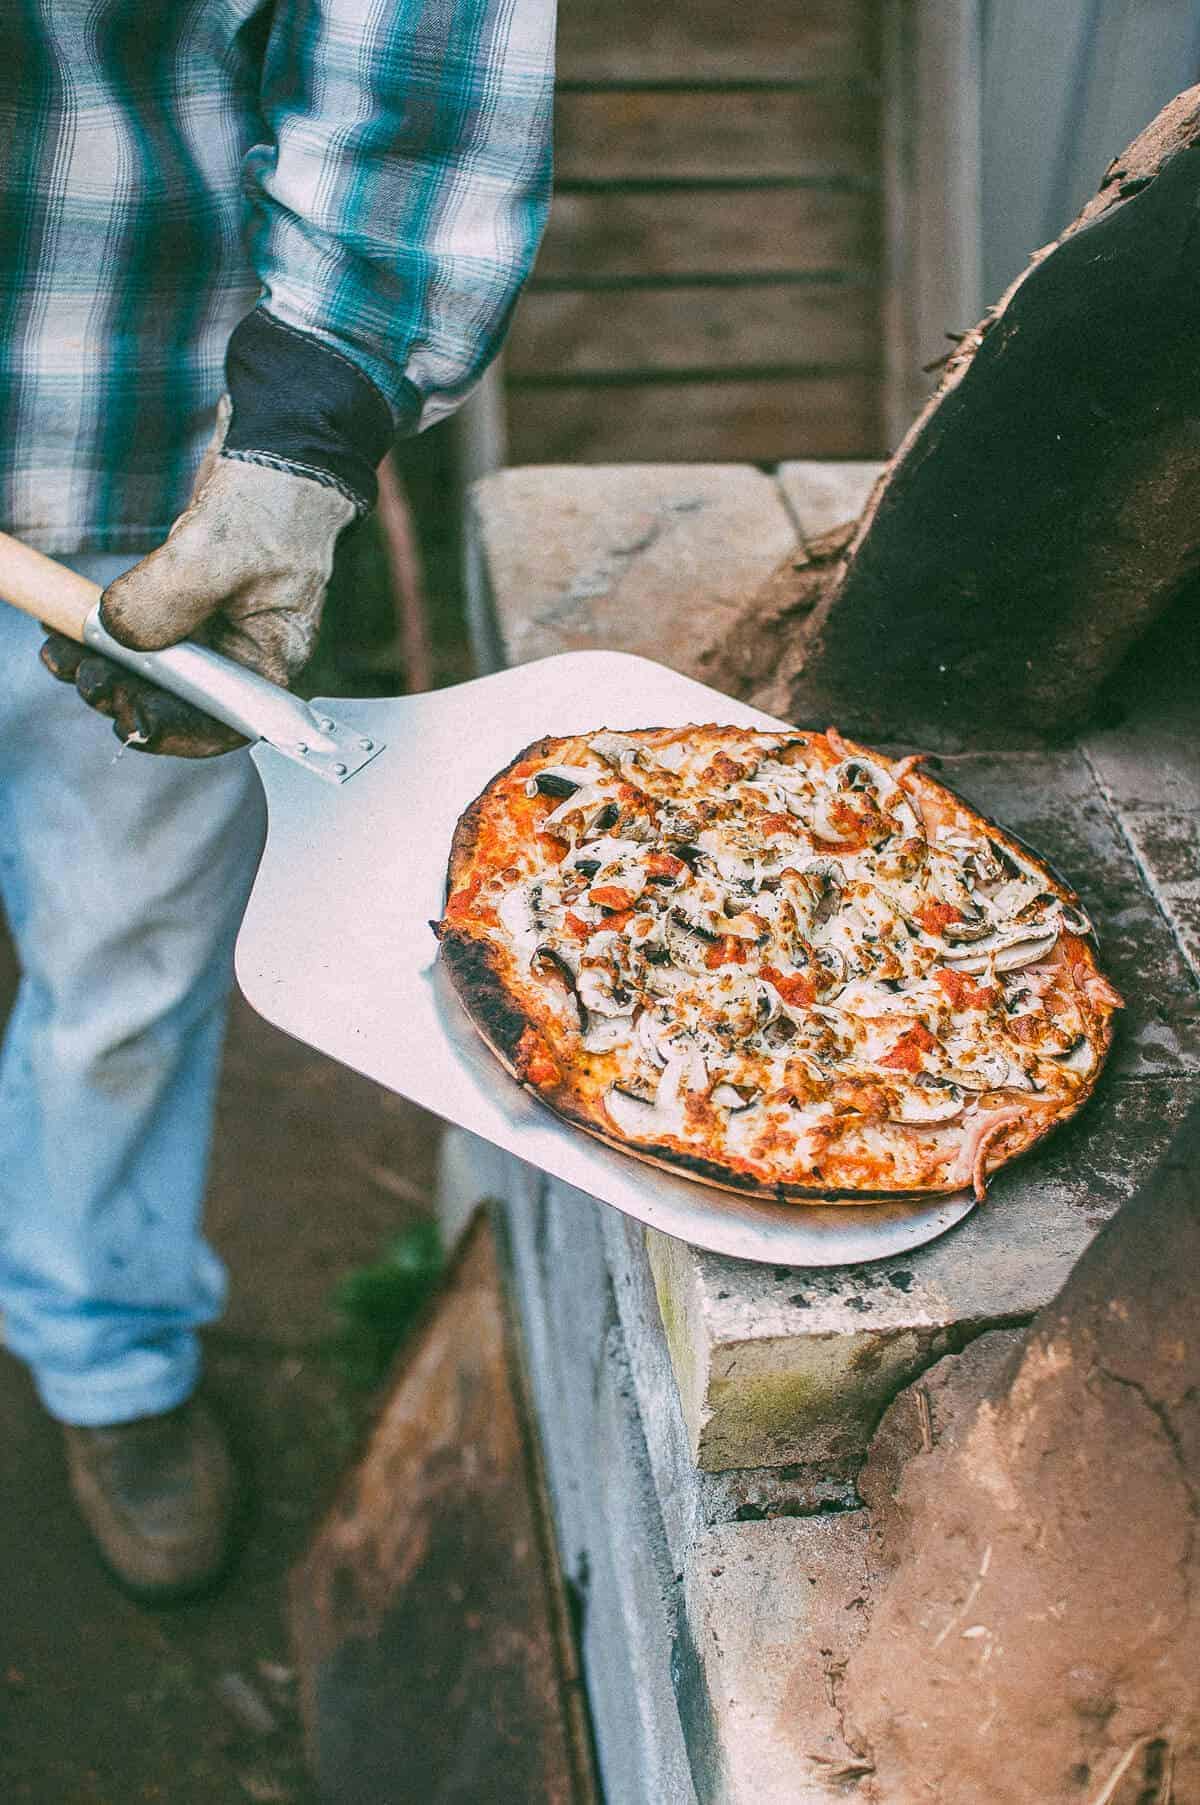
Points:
[688,918]
[974,925]
[823,966]
[649,1035]
[579,813]
[605,1033]
[1010,902]
[825,876]
[928,1103]
[519,920]
[779,1031]
[672,758]
[742,923]
[854,775]
[1006,861]
[833,965]
[1004,952]
[822,819]
[1080,1056]
[992,1072]
[608,850]
[726,1097]
[902,858]
[560,781]
[548,962]
[769,1006]
[600,993]
[683,849]
[685,1070]
[639,1119]
[981,866]
[615,748]
[859,773]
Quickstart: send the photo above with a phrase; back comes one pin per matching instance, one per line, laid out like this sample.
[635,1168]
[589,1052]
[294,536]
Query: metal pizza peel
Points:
[337,949]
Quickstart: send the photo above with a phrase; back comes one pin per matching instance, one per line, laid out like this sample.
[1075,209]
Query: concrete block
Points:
[673,1471]
[790,1368]
[620,1573]
[774,1611]
[825,494]
[657,559]
[689,1499]
[632,1659]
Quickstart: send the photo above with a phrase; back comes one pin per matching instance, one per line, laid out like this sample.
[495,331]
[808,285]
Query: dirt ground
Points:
[103,1703]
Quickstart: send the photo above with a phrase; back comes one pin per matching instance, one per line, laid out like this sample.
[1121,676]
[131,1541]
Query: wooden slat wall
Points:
[710,283]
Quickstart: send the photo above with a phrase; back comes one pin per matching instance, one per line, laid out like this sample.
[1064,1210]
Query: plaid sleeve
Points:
[398,207]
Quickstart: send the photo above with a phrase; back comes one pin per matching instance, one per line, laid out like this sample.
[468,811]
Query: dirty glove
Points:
[245,567]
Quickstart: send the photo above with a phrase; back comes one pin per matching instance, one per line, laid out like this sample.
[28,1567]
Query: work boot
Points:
[159,1496]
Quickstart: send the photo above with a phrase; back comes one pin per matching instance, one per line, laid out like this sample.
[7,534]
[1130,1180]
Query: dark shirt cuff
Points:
[298,405]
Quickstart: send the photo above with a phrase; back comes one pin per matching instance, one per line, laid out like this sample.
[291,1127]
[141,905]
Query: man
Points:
[335,202]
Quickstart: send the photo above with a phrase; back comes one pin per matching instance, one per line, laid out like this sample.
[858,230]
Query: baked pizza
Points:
[773,960]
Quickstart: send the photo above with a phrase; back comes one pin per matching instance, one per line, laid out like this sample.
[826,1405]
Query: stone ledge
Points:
[823,495]
[656,559]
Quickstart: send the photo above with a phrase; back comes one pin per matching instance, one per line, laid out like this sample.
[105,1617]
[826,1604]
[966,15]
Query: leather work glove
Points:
[245,567]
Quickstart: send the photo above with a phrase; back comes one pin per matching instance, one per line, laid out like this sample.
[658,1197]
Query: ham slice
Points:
[977,1141]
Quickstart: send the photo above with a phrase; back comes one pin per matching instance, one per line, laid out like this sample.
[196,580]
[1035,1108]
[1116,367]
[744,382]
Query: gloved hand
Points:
[245,567]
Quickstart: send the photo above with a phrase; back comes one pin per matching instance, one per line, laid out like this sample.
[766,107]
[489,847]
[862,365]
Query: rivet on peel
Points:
[301,748]
[367,745]
[325,724]
[339,770]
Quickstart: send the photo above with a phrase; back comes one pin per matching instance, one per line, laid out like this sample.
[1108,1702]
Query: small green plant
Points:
[376,1305]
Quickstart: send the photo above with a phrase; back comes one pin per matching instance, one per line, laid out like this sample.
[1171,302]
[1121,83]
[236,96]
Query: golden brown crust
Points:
[514,1017]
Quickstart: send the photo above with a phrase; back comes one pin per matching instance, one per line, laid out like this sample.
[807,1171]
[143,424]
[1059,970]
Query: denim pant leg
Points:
[124,878]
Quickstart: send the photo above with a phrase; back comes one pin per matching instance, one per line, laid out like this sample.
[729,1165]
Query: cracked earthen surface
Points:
[1035,1502]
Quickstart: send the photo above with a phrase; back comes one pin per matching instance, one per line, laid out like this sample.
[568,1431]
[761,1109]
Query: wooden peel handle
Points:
[37,585]
[258,709]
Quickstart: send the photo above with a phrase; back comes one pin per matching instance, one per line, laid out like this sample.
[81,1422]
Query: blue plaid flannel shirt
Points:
[373,174]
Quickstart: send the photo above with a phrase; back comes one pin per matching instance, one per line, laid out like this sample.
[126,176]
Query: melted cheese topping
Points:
[785,954]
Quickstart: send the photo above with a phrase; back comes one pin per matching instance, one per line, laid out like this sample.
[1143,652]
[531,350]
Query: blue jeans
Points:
[123,878]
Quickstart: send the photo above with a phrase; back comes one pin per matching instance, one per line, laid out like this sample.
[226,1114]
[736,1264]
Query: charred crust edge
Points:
[474,969]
